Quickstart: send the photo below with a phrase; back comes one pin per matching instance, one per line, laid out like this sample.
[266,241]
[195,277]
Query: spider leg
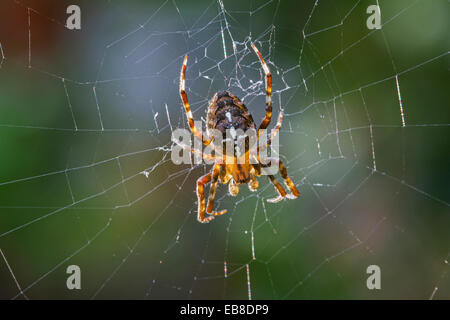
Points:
[272,135]
[280,190]
[223,176]
[287,181]
[233,188]
[276,184]
[276,129]
[257,167]
[201,198]
[201,195]
[212,192]
[265,123]
[205,156]
[253,184]
[195,132]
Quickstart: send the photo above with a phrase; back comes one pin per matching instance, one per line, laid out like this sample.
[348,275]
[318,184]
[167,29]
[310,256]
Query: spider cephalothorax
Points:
[226,113]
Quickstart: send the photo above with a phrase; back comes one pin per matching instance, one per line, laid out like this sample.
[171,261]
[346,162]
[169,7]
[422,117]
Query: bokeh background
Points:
[85,170]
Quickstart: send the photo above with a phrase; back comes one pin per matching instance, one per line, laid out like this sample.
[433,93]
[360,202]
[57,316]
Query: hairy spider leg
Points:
[198,134]
[273,134]
[279,188]
[281,192]
[212,176]
[286,179]
[268,79]
[209,157]
[253,184]
[212,193]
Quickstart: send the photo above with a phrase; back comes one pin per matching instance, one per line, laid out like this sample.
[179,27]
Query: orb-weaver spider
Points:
[224,112]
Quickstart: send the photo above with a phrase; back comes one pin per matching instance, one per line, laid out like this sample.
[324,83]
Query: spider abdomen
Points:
[226,111]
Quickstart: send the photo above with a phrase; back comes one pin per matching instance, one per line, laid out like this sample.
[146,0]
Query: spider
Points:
[226,111]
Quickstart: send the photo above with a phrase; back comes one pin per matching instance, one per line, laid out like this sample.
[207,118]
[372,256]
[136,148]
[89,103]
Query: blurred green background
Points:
[85,170]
